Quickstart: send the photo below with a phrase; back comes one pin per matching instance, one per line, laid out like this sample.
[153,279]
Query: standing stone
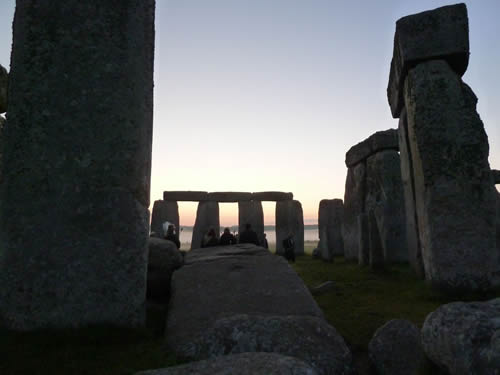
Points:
[323,225]
[3,89]
[251,213]
[207,217]
[376,249]
[412,236]
[74,223]
[354,201]
[164,211]
[454,194]
[384,191]
[364,240]
[330,217]
[289,218]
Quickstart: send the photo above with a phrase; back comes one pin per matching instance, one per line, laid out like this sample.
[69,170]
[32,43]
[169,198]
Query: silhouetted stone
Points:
[229,196]
[4,77]
[379,141]
[273,196]
[251,213]
[241,364]
[496,176]
[289,219]
[464,338]
[164,211]
[442,33]
[354,202]
[330,217]
[163,259]
[363,240]
[454,194]
[384,192]
[185,196]
[396,349]
[207,217]
[74,222]
[376,249]
[412,236]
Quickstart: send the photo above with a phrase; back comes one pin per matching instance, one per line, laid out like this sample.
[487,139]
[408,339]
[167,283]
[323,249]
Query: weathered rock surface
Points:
[272,196]
[330,217]
[289,218]
[376,257]
[4,77]
[384,194]
[241,364]
[251,213]
[454,194]
[382,140]
[308,338]
[164,211]
[464,338]
[363,240]
[207,217]
[396,349]
[354,202]
[163,259]
[323,288]
[229,196]
[74,223]
[442,33]
[224,281]
[187,196]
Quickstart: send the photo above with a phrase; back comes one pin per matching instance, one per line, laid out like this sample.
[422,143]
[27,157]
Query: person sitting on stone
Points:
[210,239]
[289,246]
[249,236]
[227,238]
[172,236]
[265,245]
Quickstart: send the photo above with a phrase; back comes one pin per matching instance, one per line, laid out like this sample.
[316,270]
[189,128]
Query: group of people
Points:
[227,238]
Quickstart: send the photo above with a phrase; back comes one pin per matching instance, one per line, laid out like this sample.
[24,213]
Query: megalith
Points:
[376,254]
[250,212]
[164,211]
[74,220]
[289,219]
[363,240]
[354,202]
[3,89]
[207,217]
[330,217]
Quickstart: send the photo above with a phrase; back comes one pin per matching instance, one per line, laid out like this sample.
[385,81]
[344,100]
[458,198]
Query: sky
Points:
[258,95]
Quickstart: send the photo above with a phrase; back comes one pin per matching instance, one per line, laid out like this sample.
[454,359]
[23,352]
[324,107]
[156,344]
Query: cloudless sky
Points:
[254,95]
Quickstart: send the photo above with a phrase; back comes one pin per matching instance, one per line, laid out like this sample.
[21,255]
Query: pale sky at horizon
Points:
[270,94]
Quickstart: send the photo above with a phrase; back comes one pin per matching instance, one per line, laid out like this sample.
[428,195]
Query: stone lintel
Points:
[275,196]
[379,141]
[229,196]
[187,196]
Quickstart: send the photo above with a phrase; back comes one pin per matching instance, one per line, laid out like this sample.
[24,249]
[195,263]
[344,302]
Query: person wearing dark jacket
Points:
[227,238]
[172,236]
[249,236]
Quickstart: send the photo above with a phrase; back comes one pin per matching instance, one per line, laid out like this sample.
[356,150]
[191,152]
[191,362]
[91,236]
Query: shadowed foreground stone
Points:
[310,339]
[354,203]
[496,176]
[207,217]
[76,165]
[241,364]
[289,218]
[4,77]
[164,211]
[379,141]
[251,213]
[464,338]
[163,259]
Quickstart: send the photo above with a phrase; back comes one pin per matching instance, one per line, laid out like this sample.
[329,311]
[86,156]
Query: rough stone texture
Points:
[330,217]
[382,140]
[185,196]
[289,218]
[164,211]
[4,77]
[310,339]
[273,196]
[76,164]
[376,257]
[406,163]
[464,338]
[364,240]
[241,364]
[323,288]
[225,281]
[229,196]
[455,196]
[251,213]
[323,225]
[163,259]
[395,348]
[496,176]
[207,216]
[354,202]
[497,281]
[384,191]
[442,33]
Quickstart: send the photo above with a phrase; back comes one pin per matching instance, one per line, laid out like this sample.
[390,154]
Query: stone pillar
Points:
[330,217]
[74,217]
[164,211]
[376,255]
[251,212]
[3,89]
[323,224]
[289,218]
[364,240]
[207,216]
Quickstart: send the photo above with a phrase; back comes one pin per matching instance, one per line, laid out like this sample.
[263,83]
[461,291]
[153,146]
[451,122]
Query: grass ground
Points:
[361,302]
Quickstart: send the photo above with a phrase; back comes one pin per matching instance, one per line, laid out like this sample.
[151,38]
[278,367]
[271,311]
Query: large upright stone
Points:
[384,191]
[379,141]
[442,33]
[77,159]
[364,240]
[3,89]
[164,211]
[376,255]
[330,217]
[354,202]
[289,219]
[250,212]
[454,193]
[207,217]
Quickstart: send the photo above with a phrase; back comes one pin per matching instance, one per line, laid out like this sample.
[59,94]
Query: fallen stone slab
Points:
[396,348]
[464,338]
[164,211]
[442,33]
[4,77]
[229,196]
[273,196]
[185,196]
[163,259]
[241,364]
[308,338]
[382,140]
[228,281]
